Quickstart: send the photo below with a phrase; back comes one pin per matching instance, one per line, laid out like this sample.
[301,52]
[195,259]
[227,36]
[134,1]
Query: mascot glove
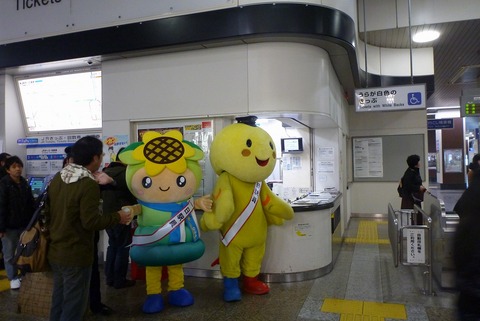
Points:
[209,222]
[134,209]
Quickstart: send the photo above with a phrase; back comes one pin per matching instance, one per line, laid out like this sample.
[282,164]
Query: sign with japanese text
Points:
[390,98]
[444,123]
[415,245]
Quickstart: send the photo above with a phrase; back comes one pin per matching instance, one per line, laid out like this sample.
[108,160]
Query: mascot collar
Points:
[165,207]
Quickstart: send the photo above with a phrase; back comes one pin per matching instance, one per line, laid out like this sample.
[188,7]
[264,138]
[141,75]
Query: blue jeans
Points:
[9,243]
[116,266]
[71,286]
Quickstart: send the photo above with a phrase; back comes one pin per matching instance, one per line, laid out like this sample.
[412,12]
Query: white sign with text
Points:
[390,98]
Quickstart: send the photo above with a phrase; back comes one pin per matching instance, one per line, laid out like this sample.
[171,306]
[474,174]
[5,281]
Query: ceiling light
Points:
[425,36]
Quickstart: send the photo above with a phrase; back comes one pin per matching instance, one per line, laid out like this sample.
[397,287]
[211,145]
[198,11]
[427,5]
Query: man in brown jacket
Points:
[73,212]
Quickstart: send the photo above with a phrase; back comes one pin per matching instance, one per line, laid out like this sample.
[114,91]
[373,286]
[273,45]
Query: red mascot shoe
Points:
[254,286]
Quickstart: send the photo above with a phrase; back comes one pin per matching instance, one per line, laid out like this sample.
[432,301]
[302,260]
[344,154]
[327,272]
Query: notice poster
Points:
[368,157]
[415,245]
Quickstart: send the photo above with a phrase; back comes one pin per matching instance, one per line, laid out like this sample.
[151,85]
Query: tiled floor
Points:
[364,285]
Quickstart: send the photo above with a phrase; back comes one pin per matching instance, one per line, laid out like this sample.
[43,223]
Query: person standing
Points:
[73,215]
[3,172]
[472,167]
[16,210]
[115,196]
[412,186]
[466,250]
[3,158]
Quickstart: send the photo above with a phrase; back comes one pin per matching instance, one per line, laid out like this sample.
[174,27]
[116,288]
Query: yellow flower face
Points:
[163,151]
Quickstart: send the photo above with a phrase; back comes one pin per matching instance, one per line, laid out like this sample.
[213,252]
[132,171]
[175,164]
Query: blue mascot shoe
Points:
[180,298]
[231,291]
[153,303]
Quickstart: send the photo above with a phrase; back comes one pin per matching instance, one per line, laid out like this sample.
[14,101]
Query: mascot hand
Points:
[204,203]
[276,210]
[209,222]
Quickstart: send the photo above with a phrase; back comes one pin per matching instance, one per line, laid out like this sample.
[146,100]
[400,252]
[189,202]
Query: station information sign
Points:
[390,98]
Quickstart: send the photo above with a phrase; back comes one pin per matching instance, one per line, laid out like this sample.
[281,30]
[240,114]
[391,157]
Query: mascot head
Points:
[243,150]
[163,168]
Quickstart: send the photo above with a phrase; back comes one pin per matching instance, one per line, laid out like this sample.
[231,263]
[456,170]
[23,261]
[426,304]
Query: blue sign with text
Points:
[446,123]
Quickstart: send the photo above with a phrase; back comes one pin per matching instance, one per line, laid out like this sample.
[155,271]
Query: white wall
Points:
[194,84]
[265,79]
[373,197]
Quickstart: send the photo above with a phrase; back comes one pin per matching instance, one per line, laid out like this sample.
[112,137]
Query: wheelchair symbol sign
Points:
[415,98]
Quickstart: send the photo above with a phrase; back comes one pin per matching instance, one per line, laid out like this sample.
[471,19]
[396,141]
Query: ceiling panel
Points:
[458,47]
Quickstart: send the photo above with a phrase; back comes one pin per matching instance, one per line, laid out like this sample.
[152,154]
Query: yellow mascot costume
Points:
[163,173]
[243,155]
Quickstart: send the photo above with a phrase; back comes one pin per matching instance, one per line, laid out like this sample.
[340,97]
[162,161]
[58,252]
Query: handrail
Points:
[393,233]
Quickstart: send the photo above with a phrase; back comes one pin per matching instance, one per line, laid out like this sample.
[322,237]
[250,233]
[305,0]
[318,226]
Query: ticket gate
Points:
[444,226]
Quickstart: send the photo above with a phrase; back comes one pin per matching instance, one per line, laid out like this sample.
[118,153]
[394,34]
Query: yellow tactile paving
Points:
[353,310]
[342,306]
[367,233]
[387,310]
[4,283]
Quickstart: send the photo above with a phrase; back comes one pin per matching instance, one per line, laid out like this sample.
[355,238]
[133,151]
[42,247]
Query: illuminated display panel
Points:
[61,102]
[472,109]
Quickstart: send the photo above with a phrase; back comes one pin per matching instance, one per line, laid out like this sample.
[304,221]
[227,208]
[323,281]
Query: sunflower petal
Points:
[148,136]
[153,169]
[179,166]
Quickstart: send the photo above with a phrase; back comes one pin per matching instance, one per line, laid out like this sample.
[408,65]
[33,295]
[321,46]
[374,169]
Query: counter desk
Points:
[301,249]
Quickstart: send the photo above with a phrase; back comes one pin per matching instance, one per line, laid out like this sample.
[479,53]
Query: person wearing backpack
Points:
[412,188]
[16,210]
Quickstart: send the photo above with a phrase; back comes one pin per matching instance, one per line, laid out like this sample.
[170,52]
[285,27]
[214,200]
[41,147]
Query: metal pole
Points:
[365,47]
[410,39]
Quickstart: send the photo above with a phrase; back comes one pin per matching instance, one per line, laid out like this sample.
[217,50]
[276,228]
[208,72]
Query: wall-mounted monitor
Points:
[61,101]
[291,145]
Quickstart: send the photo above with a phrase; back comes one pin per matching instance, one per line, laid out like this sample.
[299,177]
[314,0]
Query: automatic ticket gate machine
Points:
[444,226]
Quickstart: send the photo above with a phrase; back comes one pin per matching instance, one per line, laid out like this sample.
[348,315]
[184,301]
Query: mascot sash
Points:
[176,221]
[244,216]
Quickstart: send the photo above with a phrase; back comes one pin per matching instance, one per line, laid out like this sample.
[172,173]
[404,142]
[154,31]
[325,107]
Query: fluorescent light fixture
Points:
[446,107]
[425,36]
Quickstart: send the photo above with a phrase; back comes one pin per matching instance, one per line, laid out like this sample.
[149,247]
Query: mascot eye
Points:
[249,143]
[181,181]
[271,145]
[146,182]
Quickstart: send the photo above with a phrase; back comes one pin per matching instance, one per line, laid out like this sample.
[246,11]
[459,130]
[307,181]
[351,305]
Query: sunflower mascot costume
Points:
[243,156]
[163,173]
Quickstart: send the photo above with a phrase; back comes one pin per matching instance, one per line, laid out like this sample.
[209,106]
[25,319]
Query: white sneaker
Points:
[15,284]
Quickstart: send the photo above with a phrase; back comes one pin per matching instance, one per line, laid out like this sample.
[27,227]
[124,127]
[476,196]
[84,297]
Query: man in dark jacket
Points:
[115,196]
[73,215]
[412,186]
[16,210]
[466,250]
